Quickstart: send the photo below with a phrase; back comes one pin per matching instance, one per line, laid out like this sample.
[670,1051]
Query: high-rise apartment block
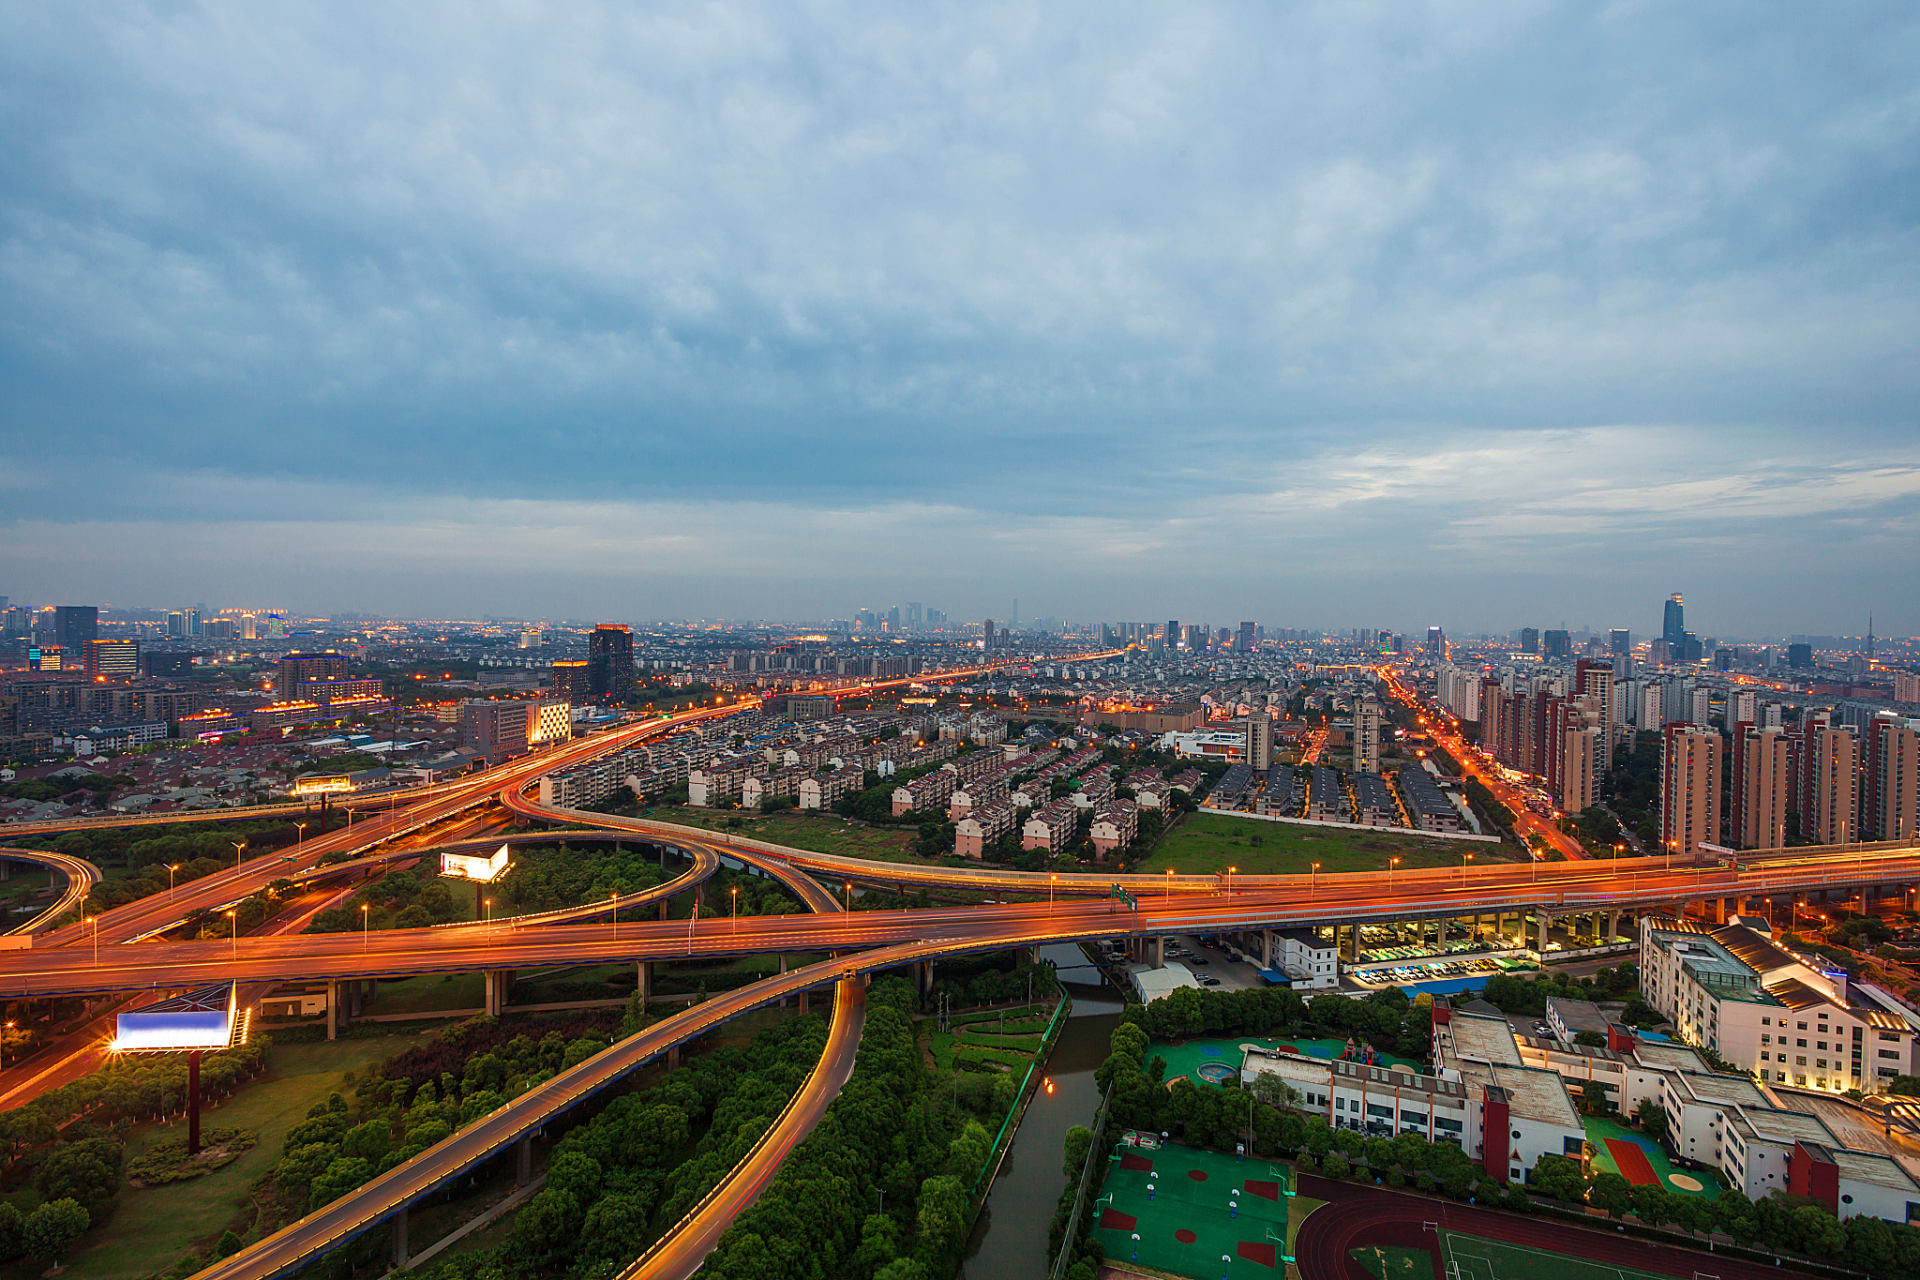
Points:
[1620,643]
[1906,686]
[1835,813]
[1762,786]
[1366,736]
[1557,644]
[610,663]
[1689,788]
[1247,641]
[1891,803]
[1529,640]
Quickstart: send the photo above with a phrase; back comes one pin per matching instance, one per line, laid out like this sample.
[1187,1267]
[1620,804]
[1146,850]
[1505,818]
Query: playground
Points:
[1213,1061]
[1194,1213]
[1639,1159]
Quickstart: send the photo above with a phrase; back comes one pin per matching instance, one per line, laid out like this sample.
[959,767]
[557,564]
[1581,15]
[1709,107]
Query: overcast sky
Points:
[1486,314]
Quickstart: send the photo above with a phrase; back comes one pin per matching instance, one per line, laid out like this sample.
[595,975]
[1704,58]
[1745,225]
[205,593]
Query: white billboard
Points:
[471,866]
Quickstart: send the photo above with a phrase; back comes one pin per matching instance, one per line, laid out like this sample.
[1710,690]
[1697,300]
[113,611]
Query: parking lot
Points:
[1215,966]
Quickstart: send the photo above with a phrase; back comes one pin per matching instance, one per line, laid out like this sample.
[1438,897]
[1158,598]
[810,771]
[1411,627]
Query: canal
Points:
[1010,1239]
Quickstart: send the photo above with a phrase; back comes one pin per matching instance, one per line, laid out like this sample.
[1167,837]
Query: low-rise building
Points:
[1114,827]
[982,827]
[926,794]
[1052,828]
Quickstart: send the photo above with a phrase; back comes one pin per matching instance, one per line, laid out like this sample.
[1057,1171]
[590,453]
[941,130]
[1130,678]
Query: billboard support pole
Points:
[193,1103]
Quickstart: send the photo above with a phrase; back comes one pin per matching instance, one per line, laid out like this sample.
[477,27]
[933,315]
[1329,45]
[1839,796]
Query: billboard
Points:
[470,866]
[322,785]
[202,1019]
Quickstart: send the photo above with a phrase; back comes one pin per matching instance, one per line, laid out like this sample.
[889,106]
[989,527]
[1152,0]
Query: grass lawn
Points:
[1478,1259]
[819,833]
[1209,843]
[151,1230]
[431,993]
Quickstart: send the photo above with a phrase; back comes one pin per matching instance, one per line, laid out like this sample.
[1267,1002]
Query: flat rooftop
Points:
[1537,1095]
[1483,1039]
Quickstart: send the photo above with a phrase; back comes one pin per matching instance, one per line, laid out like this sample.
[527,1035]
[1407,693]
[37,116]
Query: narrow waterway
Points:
[1010,1239]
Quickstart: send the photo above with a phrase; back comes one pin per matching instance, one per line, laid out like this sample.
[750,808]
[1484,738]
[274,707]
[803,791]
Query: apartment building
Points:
[1689,788]
[1053,828]
[1114,827]
[982,826]
[1762,784]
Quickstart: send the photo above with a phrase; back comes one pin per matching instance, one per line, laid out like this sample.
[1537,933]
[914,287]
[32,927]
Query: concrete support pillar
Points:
[400,1238]
[333,1009]
[803,1004]
[6,869]
[663,908]
[1353,944]
[1546,923]
[1160,951]
[1719,910]
[644,972]
[523,1161]
[1266,948]
[499,983]
[673,1058]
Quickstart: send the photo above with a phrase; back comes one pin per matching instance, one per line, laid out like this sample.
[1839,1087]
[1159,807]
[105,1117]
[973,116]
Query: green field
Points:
[818,833]
[150,1230]
[1208,843]
[1472,1258]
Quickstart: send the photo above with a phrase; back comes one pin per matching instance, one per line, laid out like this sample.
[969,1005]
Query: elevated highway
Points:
[80,874]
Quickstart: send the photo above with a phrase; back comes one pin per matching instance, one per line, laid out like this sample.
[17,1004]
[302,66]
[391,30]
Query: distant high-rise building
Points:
[249,627]
[193,622]
[1529,639]
[1835,816]
[893,619]
[1246,637]
[914,617]
[1800,656]
[1689,788]
[1436,642]
[1172,637]
[1621,642]
[297,669]
[1761,787]
[113,659]
[176,625]
[986,632]
[1559,644]
[75,626]
[1743,705]
[1673,628]
[571,681]
[610,662]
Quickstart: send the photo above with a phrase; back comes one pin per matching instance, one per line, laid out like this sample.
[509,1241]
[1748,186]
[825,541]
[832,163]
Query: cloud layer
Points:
[968,302]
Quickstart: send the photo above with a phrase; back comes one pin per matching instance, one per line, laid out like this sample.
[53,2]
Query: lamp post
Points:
[849,895]
[735,892]
[366,926]
[1169,893]
[171,868]
[235,917]
[1230,871]
[1465,858]
[486,916]
[95,922]
[238,845]
[616,915]
[1051,881]
[300,840]
[3,1048]
[1393,864]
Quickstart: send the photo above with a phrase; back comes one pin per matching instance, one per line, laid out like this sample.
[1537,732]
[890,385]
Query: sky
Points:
[1486,315]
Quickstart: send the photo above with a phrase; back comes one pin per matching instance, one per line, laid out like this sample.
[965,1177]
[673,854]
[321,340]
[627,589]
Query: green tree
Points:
[1652,1119]
[1079,1138]
[1559,1177]
[12,1241]
[1593,1098]
[1611,1192]
[942,1215]
[53,1226]
[610,1229]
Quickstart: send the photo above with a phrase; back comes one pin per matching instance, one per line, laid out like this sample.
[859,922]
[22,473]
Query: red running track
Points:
[1355,1216]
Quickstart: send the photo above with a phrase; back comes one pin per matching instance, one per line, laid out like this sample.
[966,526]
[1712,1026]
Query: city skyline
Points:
[655,321]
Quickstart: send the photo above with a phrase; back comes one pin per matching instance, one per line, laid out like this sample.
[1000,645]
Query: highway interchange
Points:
[69,961]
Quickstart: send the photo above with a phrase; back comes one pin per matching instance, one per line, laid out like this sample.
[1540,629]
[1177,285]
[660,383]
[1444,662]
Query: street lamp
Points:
[1230,871]
[1465,858]
[238,845]
[849,895]
[616,915]
[366,926]
[735,891]
[1051,881]
[1169,893]
[95,922]
[3,1048]
[171,868]
[300,840]
[234,916]
[486,918]
[1313,882]
[1393,865]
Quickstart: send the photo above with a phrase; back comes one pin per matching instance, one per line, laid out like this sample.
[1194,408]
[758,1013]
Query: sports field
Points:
[1639,1159]
[1182,1210]
[1474,1258]
[1207,1057]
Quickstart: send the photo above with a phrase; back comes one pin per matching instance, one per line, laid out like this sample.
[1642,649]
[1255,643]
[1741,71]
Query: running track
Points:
[1356,1216]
